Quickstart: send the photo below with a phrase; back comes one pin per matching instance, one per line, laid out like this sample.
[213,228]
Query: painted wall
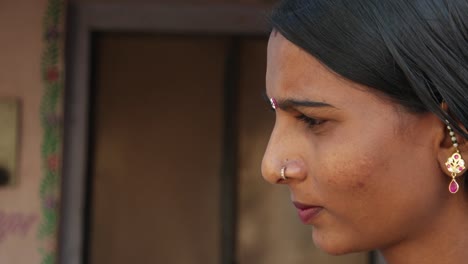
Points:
[22,50]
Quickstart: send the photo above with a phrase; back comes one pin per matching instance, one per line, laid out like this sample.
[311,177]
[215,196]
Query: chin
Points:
[336,245]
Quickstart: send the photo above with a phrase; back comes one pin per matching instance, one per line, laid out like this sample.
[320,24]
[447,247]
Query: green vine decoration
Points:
[51,121]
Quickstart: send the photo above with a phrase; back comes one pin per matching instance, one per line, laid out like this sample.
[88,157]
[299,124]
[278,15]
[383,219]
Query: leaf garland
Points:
[52,125]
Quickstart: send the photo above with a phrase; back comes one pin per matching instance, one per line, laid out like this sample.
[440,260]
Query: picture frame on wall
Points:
[9,138]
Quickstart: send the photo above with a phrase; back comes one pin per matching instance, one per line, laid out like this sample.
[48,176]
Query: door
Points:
[157,149]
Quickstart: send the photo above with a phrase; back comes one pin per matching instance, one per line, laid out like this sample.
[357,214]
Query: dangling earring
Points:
[455,164]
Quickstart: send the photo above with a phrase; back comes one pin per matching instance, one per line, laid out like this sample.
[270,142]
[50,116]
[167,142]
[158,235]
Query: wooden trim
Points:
[176,19]
[229,175]
[83,19]
[75,139]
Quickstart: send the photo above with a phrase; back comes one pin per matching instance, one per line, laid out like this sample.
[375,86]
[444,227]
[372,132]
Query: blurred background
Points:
[135,134]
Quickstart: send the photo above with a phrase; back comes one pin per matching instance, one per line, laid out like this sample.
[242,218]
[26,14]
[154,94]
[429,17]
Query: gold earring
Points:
[455,164]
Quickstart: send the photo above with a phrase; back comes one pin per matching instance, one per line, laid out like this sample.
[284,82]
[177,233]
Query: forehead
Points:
[294,73]
[291,67]
[284,57]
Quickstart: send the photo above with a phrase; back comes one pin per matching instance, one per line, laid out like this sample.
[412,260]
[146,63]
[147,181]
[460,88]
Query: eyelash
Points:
[310,122]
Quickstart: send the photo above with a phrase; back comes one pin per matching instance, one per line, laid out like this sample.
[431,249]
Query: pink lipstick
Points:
[307,212]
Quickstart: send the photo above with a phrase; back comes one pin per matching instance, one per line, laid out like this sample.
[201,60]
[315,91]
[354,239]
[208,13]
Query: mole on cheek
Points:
[360,184]
[360,174]
[368,173]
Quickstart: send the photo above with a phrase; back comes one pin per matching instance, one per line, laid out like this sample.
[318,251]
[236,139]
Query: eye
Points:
[311,122]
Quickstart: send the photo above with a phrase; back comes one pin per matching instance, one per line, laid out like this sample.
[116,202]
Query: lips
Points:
[307,212]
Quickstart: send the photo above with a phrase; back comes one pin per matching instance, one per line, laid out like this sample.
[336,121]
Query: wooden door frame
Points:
[82,21]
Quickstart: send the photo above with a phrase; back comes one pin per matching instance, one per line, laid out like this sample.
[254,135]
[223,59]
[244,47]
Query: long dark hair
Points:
[412,51]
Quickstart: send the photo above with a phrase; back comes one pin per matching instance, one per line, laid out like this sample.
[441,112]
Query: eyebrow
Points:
[289,103]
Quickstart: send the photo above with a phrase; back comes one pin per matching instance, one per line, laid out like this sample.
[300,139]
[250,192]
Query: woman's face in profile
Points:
[371,166]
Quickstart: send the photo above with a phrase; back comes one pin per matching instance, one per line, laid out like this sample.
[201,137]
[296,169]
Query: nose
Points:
[283,150]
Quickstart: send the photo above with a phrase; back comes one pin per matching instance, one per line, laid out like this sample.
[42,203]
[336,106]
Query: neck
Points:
[444,239]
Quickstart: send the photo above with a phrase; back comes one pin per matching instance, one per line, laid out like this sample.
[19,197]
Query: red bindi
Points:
[273,102]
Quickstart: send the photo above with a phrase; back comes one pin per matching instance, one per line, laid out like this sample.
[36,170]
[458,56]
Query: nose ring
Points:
[283,173]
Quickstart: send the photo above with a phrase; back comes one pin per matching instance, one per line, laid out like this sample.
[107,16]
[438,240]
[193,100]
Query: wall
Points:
[22,47]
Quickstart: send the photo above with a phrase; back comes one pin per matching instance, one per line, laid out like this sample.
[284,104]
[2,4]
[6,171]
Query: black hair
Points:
[413,51]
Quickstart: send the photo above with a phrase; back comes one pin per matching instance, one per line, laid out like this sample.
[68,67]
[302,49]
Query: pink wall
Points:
[21,48]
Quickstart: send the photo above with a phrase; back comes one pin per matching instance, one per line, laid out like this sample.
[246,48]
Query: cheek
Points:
[352,168]
[358,156]
[348,185]
[351,175]
[361,179]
